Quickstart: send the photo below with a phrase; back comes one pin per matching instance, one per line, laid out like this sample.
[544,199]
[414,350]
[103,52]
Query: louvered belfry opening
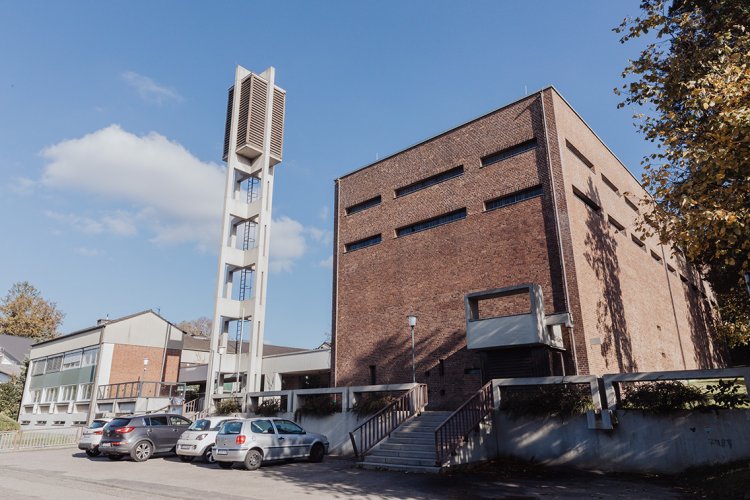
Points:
[277,123]
[228,124]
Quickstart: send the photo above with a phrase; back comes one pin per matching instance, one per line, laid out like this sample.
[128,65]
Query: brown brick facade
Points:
[127,364]
[614,298]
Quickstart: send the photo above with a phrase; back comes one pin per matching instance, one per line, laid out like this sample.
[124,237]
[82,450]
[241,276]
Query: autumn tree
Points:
[200,326]
[692,82]
[25,313]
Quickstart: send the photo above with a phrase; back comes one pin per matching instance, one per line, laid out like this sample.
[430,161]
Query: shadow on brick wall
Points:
[601,254]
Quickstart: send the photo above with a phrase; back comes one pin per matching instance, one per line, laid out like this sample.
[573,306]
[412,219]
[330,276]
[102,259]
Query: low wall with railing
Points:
[39,439]
[615,439]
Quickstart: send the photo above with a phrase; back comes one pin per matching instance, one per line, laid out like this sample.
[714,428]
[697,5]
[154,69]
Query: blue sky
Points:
[112,119]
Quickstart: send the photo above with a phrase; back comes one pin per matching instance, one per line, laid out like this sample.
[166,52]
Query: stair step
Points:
[401,468]
[401,460]
[386,445]
[405,453]
[408,440]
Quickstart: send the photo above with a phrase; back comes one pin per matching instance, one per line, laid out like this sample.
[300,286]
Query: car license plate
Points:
[221,452]
[105,445]
[187,446]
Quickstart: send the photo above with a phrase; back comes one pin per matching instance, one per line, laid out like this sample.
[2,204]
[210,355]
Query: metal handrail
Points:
[456,428]
[380,425]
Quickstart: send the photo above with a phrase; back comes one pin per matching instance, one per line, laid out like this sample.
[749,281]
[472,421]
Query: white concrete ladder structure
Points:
[253,145]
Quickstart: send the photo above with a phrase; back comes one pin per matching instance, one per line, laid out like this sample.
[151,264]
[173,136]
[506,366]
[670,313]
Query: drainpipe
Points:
[559,234]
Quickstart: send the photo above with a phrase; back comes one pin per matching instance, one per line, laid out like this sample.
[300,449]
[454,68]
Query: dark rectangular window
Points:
[430,223]
[364,205]
[655,256]
[579,155]
[367,242]
[610,184]
[373,375]
[631,204]
[441,367]
[431,181]
[635,239]
[506,153]
[512,198]
[586,200]
[614,223]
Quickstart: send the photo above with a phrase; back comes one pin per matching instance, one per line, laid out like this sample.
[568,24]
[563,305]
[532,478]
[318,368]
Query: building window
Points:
[72,360]
[510,152]
[430,223]
[58,423]
[84,392]
[358,207]
[38,367]
[50,394]
[671,269]
[53,364]
[512,198]
[40,422]
[635,239]
[89,356]
[68,393]
[579,155]
[586,200]
[441,367]
[631,204]
[431,181]
[610,185]
[614,223]
[367,242]
[373,375]
[36,395]
[655,256]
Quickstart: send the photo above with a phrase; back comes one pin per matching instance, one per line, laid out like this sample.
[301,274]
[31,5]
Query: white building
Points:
[13,352]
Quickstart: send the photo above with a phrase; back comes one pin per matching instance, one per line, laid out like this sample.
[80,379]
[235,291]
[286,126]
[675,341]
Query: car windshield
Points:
[118,422]
[231,428]
[200,425]
[97,424]
[218,425]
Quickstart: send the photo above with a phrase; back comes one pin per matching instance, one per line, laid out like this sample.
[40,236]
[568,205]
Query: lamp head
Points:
[412,320]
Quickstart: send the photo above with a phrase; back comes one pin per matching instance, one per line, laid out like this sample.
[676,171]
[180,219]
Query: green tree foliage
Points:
[25,313]
[693,82]
[11,393]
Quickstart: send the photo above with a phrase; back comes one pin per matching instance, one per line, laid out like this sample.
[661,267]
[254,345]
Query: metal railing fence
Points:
[40,438]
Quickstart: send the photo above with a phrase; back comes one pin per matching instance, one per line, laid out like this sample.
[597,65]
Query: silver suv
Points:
[142,436]
[255,440]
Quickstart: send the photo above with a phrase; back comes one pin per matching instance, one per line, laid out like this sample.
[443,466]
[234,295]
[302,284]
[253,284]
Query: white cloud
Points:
[88,252]
[327,263]
[149,90]
[118,222]
[287,244]
[178,197]
[324,212]
[22,185]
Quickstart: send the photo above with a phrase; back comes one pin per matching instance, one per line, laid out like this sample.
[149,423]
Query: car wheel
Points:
[225,465]
[253,459]
[186,458]
[93,453]
[115,458]
[141,451]
[317,453]
[208,455]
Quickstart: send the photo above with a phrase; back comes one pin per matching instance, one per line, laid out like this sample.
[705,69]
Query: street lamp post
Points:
[412,323]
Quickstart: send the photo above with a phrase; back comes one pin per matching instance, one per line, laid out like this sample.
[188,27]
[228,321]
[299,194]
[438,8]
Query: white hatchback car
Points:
[198,440]
[92,436]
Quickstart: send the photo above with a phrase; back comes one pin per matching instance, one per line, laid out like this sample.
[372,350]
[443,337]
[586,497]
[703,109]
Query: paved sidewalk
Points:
[68,473]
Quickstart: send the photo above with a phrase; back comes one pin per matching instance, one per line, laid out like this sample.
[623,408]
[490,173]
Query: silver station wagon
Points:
[255,440]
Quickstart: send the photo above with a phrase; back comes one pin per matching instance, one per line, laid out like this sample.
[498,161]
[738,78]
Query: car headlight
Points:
[201,437]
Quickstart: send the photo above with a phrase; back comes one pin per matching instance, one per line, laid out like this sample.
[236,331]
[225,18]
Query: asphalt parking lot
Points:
[68,473]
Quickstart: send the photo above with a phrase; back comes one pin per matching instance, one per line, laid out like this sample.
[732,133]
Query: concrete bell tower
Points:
[253,146]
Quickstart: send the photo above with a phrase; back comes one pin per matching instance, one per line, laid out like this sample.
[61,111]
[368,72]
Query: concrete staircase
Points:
[410,448]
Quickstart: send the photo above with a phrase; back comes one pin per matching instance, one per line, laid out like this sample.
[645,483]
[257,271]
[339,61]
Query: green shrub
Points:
[663,397]
[563,400]
[7,423]
[368,404]
[227,406]
[726,394]
[319,405]
[269,408]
